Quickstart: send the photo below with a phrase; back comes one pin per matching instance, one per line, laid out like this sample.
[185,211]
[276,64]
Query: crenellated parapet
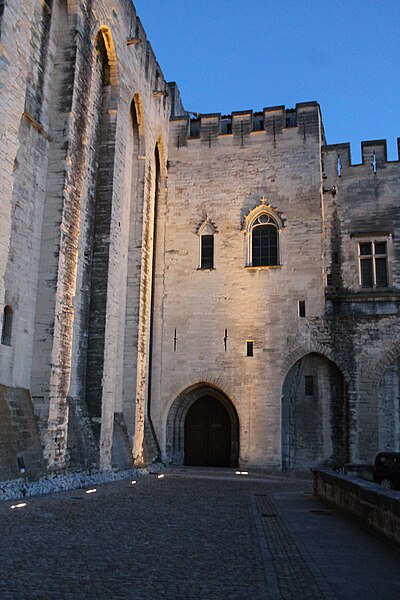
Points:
[336,159]
[275,121]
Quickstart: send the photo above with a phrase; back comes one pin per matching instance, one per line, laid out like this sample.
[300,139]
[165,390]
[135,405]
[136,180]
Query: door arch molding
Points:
[175,430]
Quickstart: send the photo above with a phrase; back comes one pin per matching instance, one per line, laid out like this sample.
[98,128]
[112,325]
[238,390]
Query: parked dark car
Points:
[387,469]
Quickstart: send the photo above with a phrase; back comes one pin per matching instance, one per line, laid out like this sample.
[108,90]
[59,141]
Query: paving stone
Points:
[191,535]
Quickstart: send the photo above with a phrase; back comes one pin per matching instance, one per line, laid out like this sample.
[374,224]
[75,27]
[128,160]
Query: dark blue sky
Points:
[228,55]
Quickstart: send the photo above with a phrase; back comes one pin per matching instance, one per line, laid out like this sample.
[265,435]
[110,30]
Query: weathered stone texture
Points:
[75,201]
[116,328]
[322,213]
[20,448]
[224,182]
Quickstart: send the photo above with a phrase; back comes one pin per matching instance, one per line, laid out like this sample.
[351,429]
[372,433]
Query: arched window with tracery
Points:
[262,228]
[6,329]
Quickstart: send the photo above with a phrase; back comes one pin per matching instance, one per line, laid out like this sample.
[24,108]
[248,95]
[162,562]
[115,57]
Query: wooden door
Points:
[208,434]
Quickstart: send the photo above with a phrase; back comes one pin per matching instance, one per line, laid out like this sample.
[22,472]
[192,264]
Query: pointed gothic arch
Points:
[106,34]
[135,191]
[314,414]
[105,89]
[262,228]
[176,426]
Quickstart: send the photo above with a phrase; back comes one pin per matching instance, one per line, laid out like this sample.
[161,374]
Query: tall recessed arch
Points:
[105,33]
[314,414]
[137,114]
[135,191]
[154,194]
[104,90]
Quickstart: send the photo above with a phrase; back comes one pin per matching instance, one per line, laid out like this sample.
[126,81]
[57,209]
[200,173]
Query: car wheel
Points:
[386,483]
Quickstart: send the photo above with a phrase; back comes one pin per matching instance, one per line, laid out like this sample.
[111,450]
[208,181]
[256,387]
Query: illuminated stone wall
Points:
[110,327]
[222,178]
[222,169]
[78,174]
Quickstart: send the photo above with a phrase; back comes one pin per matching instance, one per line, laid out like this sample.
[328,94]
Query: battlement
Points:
[305,118]
[337,157]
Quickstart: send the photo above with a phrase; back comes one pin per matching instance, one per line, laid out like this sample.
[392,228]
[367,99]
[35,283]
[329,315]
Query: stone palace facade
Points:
[198,289]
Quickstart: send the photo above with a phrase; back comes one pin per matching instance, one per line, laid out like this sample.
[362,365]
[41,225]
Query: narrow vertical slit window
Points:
[249,348]
[6,330]
[302,308]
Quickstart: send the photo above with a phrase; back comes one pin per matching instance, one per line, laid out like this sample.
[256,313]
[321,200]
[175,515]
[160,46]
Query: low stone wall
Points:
[372,505]
[21,488]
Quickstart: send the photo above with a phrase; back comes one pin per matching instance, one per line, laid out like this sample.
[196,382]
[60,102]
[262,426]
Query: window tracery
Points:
[263,225]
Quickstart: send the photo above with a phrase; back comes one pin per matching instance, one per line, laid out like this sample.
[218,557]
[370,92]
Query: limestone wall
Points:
[361,205]
[75,186]
[222,178]
[221,169]
[114,327]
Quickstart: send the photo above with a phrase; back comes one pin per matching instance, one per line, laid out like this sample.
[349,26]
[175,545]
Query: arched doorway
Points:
[203,429]
[207,434]
[314,414]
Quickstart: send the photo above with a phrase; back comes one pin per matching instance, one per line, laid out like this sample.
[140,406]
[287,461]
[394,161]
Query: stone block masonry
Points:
[154,262]
[70,189]
[377,508]
[310,317]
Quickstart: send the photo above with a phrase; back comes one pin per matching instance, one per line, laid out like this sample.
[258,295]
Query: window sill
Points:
[206,269]
[364,294]
[262,267]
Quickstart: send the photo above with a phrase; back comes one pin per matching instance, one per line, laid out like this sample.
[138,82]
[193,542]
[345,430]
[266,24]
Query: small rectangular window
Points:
[207,251]
[302,308]
[373,264]
[309,385]
[250,348]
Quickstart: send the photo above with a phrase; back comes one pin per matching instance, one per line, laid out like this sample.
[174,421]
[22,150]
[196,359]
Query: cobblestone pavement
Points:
[192,534]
